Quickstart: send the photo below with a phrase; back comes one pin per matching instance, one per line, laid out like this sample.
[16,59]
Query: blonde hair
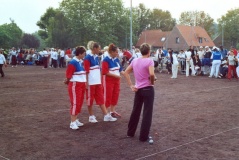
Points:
[90,45]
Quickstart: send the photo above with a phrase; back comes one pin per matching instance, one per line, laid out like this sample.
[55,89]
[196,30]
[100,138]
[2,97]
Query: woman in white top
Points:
[237,59]
[231,65]
[174,61]
[189,62]
[2,62]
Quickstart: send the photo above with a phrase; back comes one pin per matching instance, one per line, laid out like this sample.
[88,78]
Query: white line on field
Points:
[46,90]
[30,115]
[38,81]
[204,90]
[200,139]
[4,157]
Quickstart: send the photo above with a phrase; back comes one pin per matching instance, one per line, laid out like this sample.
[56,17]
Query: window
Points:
[200,39]
[163,39]
[206,40]
[177,39]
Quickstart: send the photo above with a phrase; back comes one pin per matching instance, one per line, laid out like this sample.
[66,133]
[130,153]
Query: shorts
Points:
[95,92]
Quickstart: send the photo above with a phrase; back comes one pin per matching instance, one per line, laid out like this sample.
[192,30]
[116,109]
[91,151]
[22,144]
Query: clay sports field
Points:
[195,118]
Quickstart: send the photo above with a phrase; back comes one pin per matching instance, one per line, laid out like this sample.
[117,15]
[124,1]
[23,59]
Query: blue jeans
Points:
[142,96]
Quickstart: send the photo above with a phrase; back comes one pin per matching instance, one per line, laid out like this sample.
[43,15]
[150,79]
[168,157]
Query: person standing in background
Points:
[182,60]
[189,63]
[231,65]
[45,55]
[14,57]
[174,60]
[216,62]
[62,58]
[2,63]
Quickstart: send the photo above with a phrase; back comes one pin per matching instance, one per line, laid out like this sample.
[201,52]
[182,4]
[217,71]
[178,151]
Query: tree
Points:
[10,35]
[58,31]
[4,37]
[42,42]
[30,41]
[90,20]
[145,19]
[230,24]
[44,22]
[198,18]
[54,28]
[141,19]
[160,19]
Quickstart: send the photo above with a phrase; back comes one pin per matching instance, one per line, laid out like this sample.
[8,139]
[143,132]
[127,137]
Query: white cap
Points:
[214,47]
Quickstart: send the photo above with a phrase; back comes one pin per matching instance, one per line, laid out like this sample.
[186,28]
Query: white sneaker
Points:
[74,126]
[210,76]
[78,123]
[109,118]
[92,119]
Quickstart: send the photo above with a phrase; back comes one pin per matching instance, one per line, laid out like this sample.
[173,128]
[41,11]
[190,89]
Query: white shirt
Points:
[13,53]
[175,59]
[181,55]
[44,53]
[88,52]
[54,55]
[2,59]
[104,55]
[155,57]
[67,57]
[237,56]
[62,53]
[159,52]
[138,55]
[200,54]
[188,55]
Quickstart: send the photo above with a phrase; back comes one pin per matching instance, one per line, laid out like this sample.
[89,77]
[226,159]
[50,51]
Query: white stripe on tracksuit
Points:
[74,98]
[88,100]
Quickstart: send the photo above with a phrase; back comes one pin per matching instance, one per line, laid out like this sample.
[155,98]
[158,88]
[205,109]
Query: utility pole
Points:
[222,35]
[131,30]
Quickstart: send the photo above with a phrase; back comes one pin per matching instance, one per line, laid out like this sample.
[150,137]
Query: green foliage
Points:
[54,28]
[44,22]
[101,21]
[42,42]
[237,45]
[160,19]
[30,41]
[10,35]
[5,38]
[198,18]
[230,24]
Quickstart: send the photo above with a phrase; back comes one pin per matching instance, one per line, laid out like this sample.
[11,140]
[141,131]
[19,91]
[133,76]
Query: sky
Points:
[26,13]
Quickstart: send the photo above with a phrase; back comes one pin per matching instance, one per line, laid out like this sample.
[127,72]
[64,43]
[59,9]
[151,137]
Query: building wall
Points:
[171,42]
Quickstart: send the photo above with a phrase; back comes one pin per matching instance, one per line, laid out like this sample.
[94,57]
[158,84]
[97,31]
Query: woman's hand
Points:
[66,81]
[133,88]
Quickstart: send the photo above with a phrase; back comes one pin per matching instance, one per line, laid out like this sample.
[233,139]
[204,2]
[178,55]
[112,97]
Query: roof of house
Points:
[155,38]
[192,33]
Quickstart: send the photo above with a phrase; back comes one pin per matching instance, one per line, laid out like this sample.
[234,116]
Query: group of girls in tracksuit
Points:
[85,76]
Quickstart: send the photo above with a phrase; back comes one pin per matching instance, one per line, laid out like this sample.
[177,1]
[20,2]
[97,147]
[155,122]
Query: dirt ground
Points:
[195,118]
